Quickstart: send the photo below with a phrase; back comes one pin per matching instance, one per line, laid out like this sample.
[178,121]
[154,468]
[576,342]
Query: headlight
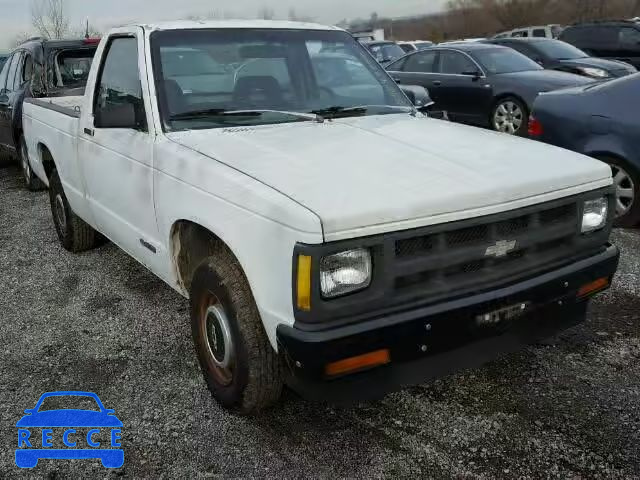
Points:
[594,72]
[345,272]
[595,215]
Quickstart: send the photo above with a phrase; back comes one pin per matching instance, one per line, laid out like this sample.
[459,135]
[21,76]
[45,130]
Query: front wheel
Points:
[241,368]
[510,116]
[32,182]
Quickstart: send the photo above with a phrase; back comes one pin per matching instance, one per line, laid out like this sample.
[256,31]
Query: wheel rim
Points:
[26,168]
[625,190]
[61,215]
[216,331]
[508,118]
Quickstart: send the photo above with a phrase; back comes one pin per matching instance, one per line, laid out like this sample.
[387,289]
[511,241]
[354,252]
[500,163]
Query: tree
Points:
[49,18]
[266,13]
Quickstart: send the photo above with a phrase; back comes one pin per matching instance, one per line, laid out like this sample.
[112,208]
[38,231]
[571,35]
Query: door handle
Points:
[88,131]
[437,83]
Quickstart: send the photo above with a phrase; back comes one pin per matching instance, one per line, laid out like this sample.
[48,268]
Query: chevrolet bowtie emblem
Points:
[501,248]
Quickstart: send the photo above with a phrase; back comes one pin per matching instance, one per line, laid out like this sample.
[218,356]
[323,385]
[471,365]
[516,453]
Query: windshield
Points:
[504,60]
[221,78]
[559,50]
[72,68]
[386,52]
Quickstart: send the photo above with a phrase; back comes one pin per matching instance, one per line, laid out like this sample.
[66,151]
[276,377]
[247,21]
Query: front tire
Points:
[626,179]
[511,116]
[241,368]
[32,182]
[74,234]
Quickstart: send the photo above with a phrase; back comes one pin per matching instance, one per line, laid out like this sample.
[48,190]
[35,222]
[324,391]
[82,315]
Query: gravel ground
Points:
[100,322]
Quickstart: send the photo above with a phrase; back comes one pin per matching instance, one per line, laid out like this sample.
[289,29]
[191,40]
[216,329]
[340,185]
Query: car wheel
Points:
[74,234]
[626,180]
[241,368]
[32,182]
[510,116]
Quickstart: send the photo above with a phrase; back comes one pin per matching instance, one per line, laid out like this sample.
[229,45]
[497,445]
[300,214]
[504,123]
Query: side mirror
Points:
[29,410]
[110,411]
[117,116]
[418,95]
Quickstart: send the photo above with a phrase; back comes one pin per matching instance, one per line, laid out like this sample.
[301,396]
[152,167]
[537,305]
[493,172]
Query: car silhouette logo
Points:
[42,434]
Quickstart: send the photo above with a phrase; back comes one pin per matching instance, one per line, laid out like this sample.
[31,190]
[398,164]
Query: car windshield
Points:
[228,77]
[559,50]
[504,60]
[67,402]
[423,45]
[385,52]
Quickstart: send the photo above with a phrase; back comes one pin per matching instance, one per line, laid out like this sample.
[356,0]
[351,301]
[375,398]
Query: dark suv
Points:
[618,40]
[39,68]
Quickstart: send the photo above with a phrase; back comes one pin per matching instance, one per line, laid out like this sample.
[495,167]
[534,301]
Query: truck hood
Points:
[374,174]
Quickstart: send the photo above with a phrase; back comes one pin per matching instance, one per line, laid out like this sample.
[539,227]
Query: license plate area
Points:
[503,315]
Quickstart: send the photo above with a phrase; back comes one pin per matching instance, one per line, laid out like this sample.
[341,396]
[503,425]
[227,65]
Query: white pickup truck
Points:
[328,235]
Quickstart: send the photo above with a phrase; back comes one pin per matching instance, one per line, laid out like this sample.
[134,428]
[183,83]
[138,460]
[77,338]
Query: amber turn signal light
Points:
[358,363]
[303,287]
[593,287]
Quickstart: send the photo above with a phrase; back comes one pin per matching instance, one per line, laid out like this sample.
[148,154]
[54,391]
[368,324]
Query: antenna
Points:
[86,34]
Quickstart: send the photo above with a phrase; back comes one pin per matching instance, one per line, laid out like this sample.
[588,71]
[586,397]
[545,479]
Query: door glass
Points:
[119,84]
[11,76]
[3,74]
[421,63]
[454,63]
[27,69]
[539,32]
[630,37]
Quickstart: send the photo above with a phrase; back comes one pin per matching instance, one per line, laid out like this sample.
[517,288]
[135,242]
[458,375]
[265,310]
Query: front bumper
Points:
[436,340]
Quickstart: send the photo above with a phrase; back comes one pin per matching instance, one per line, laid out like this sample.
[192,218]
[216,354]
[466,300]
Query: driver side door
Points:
[464,90]
[115,150]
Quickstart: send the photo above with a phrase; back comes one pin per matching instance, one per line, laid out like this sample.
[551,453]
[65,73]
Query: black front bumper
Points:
[436,340]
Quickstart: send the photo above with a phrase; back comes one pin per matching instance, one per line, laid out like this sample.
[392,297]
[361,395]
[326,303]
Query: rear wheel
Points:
[32,182]
[74,234]
[626,180]
[510,116]
[241,368]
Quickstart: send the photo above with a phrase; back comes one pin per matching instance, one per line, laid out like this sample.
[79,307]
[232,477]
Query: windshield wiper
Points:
[223,112]
[337,111]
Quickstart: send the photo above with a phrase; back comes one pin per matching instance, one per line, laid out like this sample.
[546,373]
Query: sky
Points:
[15,16]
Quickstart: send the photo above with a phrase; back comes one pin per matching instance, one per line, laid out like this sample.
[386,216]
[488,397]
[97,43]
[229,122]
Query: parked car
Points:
[346,258]
[38,68]
[480,84]
[598,122]
[385,52]
[558,55]
[3,59]
[617,40]
[409,47]
[543,31]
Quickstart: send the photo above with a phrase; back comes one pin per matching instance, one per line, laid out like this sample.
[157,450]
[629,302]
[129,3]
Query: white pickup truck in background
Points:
[328,234]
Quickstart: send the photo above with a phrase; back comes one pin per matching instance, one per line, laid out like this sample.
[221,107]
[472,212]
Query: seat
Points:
[175,97]
[263,92]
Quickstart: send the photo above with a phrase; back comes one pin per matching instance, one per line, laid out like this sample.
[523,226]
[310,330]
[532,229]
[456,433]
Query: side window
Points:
[540,32]
[11,75]
[27,68]
[630,37]
[520,33]
[421,62]
[3,74]
[454,63]
[118,98]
